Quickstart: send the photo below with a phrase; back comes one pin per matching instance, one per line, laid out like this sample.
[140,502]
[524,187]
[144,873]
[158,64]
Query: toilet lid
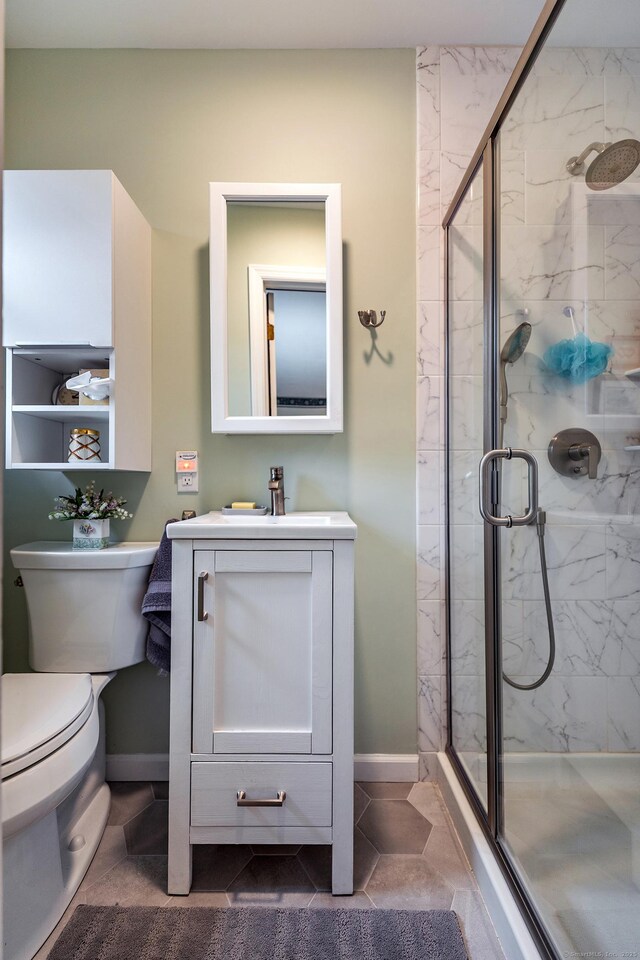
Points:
[38,709]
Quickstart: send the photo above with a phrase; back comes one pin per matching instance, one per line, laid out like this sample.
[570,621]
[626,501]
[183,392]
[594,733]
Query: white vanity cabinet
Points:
[262,686]
[77,295]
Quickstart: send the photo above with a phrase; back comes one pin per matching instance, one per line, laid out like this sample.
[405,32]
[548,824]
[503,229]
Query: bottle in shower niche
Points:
[84,444]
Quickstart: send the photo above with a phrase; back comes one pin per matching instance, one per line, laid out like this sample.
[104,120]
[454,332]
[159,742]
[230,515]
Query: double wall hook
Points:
[369,318]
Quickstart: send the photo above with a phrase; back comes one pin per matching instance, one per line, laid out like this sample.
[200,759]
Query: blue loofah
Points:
[579,359]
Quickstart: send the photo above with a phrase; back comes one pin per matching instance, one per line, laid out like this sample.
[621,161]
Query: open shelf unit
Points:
[37,429]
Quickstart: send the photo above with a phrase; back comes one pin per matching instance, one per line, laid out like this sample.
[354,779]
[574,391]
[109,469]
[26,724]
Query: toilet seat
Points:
[40,713]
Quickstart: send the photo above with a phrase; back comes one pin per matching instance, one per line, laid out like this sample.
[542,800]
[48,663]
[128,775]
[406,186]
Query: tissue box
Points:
[86,401]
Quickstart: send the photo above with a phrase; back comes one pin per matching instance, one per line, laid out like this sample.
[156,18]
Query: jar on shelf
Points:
[84,444]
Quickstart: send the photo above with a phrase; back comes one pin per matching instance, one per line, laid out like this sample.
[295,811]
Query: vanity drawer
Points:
[215,787]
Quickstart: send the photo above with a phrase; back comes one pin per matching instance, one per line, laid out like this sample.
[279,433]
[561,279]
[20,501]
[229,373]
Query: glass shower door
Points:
[570,695]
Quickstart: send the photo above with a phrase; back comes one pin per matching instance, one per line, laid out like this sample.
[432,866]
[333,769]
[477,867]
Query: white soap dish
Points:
[239,512]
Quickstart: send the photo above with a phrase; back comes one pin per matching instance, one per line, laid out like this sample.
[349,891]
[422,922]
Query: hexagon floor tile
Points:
[272,881]
[406,856]
[146,833]
[394,826]
[386,791]
[408,883]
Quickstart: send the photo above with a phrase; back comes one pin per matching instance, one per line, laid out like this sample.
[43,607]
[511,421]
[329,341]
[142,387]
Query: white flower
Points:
[89,505]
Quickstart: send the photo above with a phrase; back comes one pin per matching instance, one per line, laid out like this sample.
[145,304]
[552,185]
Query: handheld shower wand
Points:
[514,347]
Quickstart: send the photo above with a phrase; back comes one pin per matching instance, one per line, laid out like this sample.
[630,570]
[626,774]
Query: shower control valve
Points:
[575,453]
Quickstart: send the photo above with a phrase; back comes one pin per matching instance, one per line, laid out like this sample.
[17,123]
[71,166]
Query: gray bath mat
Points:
[258,933]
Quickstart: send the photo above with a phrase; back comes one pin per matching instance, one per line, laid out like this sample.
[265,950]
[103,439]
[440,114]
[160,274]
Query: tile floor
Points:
[407,856]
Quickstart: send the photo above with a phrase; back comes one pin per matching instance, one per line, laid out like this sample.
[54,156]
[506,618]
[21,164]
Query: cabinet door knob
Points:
[202,614]
[277,801]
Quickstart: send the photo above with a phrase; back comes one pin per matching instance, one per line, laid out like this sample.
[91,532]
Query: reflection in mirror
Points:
[269,245]
[298,367]
[276,308]
[288,337]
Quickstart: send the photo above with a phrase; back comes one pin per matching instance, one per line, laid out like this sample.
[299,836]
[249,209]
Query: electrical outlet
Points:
[187,471]
[187,483]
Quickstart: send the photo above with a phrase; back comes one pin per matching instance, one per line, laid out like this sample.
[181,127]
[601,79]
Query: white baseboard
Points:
[390,767]
[137,766]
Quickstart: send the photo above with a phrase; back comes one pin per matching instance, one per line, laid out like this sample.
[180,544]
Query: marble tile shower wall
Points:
[561,246]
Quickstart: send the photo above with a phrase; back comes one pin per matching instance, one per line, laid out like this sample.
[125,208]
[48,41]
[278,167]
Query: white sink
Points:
[289,519]
[327,525]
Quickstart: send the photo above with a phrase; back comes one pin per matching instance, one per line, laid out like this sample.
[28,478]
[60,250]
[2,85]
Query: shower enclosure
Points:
[542,280]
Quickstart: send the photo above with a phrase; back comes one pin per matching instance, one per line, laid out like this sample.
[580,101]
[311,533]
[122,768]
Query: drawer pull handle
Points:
[277,801]
[202,614]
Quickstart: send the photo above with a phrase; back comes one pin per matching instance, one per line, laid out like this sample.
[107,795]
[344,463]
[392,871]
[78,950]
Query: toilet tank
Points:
[84,606]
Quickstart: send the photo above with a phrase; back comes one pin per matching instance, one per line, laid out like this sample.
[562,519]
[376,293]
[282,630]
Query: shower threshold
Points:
[572,826]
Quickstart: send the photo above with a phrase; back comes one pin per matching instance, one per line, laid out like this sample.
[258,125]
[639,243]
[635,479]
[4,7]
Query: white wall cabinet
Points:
[77,294]
[262,687]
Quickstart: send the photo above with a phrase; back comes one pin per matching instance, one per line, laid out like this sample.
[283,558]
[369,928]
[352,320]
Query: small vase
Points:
[90,534]
[84,444]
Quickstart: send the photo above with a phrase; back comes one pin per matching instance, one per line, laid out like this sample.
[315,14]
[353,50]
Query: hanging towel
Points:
[156,606]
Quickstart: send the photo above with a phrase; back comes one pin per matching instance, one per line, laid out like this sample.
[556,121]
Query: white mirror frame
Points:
[219,195]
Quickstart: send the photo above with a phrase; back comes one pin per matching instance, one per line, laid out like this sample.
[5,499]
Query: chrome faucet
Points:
[276,487]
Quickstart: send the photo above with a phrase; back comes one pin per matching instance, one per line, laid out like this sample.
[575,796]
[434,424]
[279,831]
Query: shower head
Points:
[614,163]
[516,343]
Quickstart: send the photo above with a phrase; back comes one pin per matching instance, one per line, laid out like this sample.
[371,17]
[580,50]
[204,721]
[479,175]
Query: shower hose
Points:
[540,524]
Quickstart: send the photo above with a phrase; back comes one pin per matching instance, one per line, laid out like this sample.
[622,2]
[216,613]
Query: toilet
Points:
[85,623]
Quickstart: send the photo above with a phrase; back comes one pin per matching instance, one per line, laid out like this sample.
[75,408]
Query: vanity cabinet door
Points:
[262,651]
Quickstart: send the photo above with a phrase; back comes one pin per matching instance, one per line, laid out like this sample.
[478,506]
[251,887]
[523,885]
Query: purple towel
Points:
[156,606]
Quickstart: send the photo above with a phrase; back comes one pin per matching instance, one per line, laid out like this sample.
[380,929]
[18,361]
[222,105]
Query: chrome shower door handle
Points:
[486,504]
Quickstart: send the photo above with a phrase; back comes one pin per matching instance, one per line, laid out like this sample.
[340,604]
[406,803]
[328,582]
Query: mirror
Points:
[276,308]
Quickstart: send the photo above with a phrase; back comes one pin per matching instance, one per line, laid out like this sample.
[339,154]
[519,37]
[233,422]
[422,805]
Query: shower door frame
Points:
[487,154]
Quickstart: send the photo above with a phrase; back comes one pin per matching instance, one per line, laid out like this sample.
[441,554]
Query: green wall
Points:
[168,122]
